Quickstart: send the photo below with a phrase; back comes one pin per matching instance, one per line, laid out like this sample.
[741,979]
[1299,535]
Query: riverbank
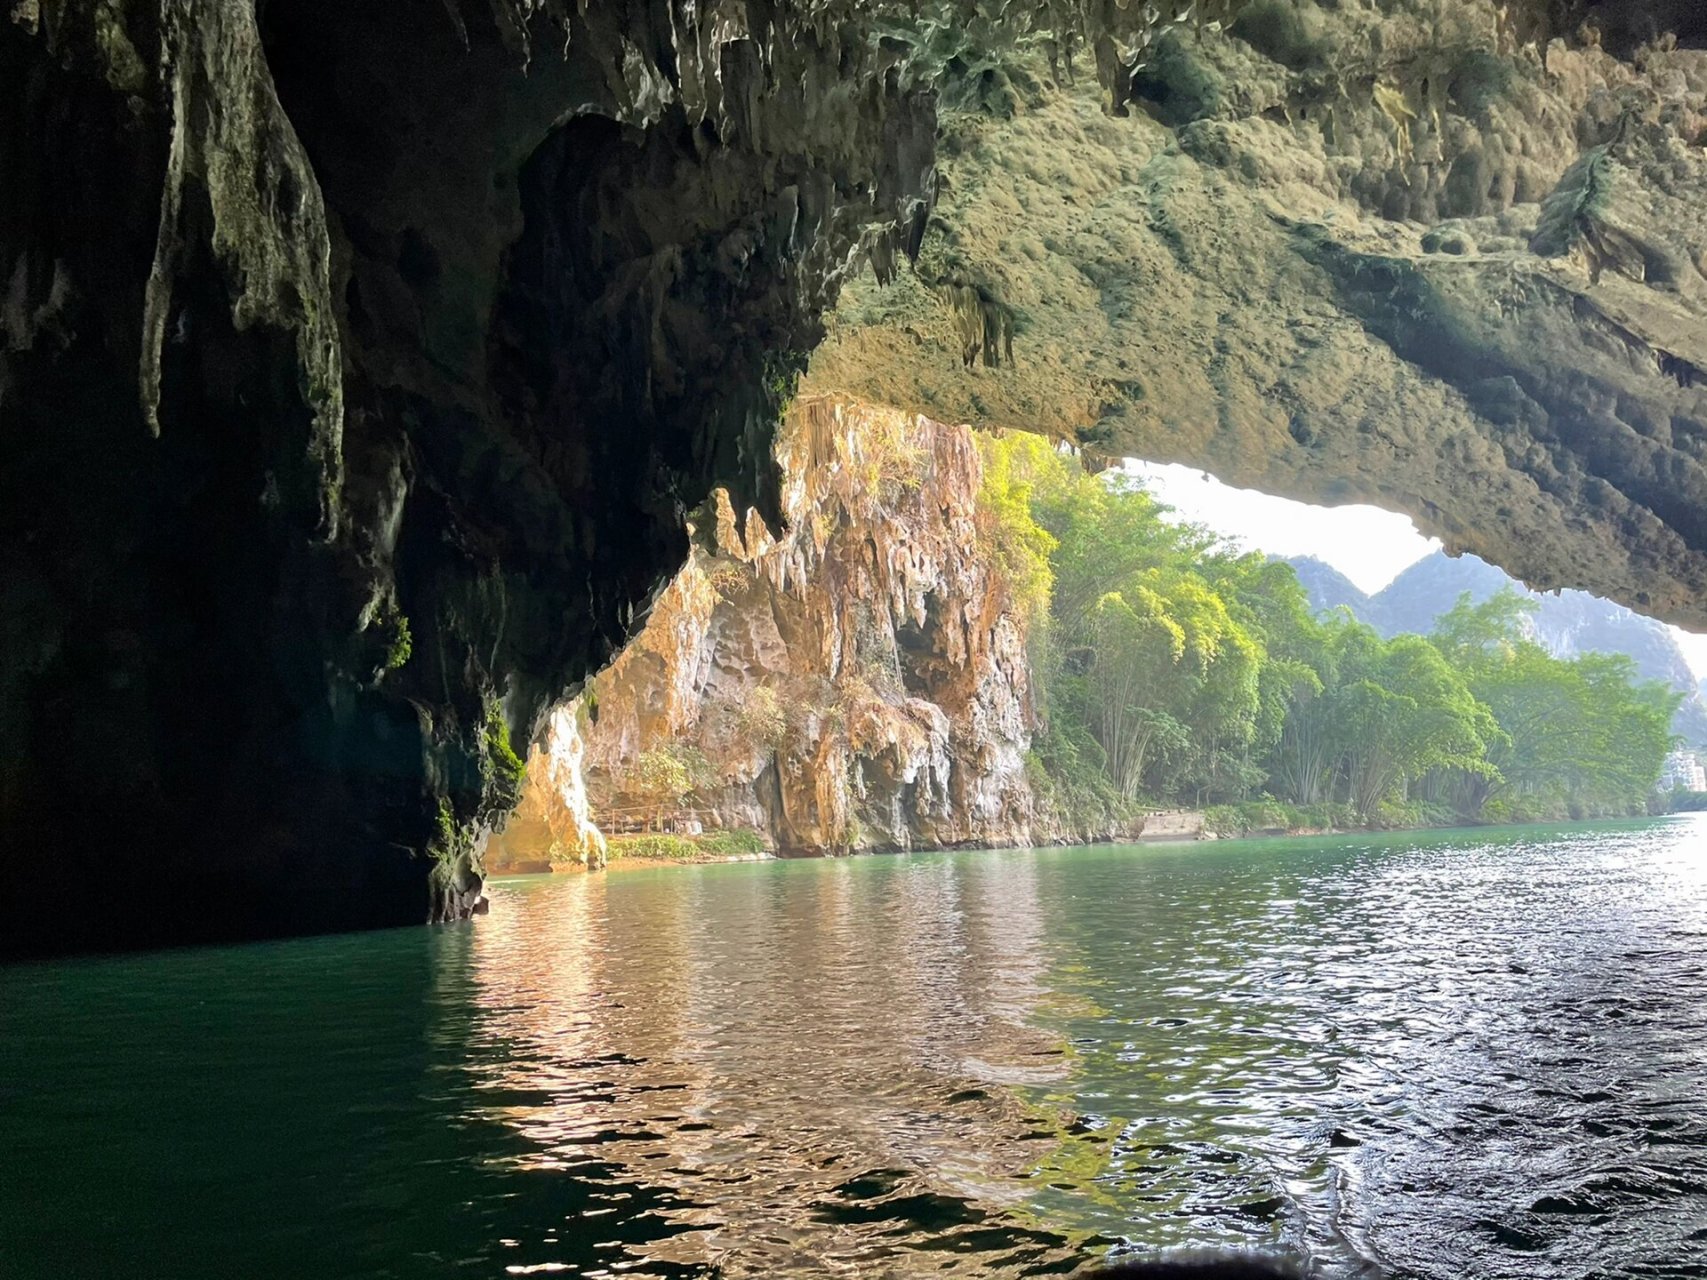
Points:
[1180,826]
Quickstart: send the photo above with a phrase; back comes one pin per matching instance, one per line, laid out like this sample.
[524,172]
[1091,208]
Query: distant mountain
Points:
[1328,588]
[1567,624]
[1431,586]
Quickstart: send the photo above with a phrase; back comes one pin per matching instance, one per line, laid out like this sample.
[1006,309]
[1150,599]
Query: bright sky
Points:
[1370,546]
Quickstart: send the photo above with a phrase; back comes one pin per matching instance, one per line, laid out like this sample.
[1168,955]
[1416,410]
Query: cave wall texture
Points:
[1411,253]
[860,681]
[360,365]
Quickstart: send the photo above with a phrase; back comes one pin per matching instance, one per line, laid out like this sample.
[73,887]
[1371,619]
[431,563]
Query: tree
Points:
[1580,736]
[1402,711]
[1171,666]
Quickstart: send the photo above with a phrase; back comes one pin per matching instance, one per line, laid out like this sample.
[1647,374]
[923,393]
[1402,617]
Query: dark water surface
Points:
[1473,1056]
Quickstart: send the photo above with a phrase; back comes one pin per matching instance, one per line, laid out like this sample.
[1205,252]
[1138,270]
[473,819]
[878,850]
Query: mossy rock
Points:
[1178,85]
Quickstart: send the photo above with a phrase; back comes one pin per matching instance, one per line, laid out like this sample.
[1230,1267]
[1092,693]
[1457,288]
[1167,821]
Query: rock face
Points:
[860,682]
[357,366]
[1409,253]
[552,828]
[360,363]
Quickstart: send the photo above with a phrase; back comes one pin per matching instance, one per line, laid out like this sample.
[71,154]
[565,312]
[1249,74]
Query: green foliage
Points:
[737,843]
[1577,738]
[653,845]
[507,767]
[1267,815]
[400,644]
[1682,801]
[1172,669]
[660,774]
[704,848]
[1009,536]
[451,846]
[761,717]
[779,379]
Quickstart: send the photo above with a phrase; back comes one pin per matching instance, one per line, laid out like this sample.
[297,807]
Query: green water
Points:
[1453,1055]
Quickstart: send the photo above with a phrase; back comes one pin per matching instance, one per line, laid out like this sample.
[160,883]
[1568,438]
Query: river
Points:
[1456,1055]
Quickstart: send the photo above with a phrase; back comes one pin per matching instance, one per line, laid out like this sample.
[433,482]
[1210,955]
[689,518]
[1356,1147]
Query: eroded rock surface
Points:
[1346,252]
[552,827]
[359,364]
[860,682]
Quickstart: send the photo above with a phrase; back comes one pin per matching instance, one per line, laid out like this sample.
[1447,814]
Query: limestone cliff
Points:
[859,681]
[552,827]
[357,365]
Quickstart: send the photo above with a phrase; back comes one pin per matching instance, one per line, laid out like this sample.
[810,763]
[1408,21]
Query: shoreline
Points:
[644,862]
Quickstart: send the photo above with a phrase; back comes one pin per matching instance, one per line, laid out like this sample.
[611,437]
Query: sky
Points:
[1370,546]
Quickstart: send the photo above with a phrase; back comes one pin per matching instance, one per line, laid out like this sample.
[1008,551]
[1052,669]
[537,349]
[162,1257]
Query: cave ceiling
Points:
[1425,255]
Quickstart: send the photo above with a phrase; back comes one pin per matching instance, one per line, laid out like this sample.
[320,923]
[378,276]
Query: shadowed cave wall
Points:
[437,348]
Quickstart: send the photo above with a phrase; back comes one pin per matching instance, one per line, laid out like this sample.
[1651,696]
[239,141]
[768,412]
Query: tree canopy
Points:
[1175,669]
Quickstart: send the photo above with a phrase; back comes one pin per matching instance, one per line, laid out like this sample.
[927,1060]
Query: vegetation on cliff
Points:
[1172,669]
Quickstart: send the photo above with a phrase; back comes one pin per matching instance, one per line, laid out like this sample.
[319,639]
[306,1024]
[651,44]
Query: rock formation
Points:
[360,364]
[859,681]
[1411,253]
[552,827]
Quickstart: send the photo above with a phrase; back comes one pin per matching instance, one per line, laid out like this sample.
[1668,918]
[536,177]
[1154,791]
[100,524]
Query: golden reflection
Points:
[753,1046]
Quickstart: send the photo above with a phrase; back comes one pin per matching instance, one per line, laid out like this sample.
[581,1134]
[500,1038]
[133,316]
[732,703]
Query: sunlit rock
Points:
[360,363]
[552,828]
[859,680]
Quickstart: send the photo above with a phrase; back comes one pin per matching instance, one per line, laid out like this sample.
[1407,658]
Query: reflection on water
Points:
[812,1062]
[1471,1055]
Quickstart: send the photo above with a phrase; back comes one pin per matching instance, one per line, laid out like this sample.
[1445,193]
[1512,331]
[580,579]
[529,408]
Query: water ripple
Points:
[1461,1055]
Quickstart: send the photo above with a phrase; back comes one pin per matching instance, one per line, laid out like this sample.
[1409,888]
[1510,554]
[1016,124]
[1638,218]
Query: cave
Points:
[364,366]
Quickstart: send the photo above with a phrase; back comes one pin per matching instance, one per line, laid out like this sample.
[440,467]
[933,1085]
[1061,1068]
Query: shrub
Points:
[1225,820]
[713,844]
[728,577]
[401,644]
[1269,814]
[653,846]
[760,717]
[733,844]
[660,774]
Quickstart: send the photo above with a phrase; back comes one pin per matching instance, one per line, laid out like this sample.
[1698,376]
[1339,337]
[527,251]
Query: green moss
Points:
[402,643]
[507,766]
[781,379]
[450,848]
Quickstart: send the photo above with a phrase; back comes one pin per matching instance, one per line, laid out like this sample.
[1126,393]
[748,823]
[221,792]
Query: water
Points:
[1462,1055]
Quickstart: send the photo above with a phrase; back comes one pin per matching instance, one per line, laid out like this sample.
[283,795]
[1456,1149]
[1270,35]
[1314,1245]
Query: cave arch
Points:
[428,524]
